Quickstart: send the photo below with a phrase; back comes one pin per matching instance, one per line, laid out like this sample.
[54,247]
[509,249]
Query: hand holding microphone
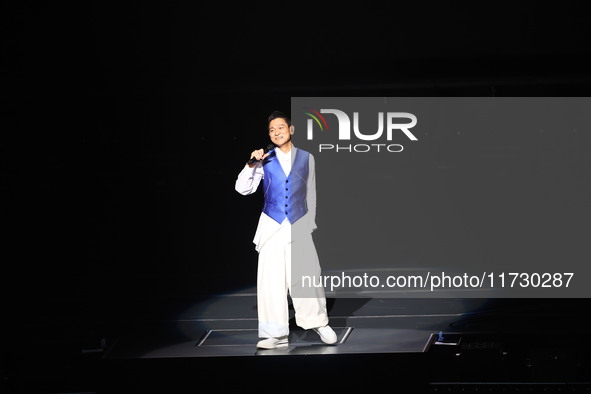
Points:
[259,154]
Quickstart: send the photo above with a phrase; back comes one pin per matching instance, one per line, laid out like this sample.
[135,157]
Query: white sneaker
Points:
[327,335]
[273,343]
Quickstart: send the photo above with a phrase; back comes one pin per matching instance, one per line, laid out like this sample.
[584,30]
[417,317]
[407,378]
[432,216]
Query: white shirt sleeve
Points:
[311,193]
[249,179]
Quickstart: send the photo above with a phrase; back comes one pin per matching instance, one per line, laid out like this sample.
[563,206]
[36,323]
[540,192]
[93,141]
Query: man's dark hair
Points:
[279,114]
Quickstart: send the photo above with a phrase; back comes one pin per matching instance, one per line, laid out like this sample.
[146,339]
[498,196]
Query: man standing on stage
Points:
[283,238]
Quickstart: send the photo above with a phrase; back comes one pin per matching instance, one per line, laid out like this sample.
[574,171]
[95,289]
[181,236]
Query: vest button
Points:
[285,204]
[287,180]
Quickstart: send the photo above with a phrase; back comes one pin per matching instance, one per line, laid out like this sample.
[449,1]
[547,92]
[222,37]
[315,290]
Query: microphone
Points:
[267,149]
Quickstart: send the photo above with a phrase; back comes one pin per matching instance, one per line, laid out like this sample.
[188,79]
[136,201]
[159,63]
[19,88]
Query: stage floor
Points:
[227,326]
[96,345]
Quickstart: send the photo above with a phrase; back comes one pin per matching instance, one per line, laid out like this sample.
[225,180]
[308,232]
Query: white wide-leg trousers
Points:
[274,284]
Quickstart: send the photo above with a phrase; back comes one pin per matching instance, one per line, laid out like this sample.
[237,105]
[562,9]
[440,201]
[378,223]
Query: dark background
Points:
[124,126]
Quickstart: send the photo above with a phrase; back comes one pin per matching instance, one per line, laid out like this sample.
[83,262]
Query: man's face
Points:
[279,131]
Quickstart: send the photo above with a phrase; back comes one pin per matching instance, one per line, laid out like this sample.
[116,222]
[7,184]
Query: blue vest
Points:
[285,196]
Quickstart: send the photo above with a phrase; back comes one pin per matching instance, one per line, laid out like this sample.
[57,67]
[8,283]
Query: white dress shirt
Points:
[248,181]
